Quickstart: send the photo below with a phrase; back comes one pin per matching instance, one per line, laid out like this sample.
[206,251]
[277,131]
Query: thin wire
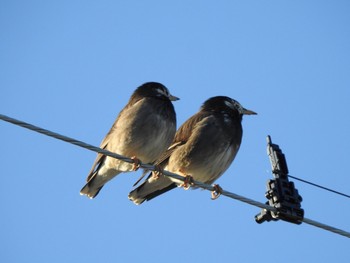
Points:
[319,186]
[167,173]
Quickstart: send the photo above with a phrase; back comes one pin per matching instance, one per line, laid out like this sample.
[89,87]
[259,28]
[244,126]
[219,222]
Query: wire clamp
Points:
[281,193]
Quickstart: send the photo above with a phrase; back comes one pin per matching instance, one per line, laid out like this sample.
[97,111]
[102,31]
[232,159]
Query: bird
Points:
[203,148]
[143,130]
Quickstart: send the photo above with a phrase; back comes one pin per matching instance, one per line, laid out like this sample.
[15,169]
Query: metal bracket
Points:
[281,193]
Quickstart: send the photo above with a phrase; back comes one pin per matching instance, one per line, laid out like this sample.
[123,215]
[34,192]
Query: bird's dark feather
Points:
[98,161]
[155,193]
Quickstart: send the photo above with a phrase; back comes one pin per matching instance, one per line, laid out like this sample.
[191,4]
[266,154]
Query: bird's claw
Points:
[188,182]
[136,164]
[216,192]
[157,172]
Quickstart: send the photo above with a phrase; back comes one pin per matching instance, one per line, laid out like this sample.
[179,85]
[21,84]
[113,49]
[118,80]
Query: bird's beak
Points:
[248,112]
[173,98]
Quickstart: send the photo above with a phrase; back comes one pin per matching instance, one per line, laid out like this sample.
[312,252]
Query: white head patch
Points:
[233,104]
[163,91]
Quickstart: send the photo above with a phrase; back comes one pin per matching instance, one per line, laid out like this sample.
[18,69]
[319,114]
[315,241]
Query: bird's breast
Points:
[142,131]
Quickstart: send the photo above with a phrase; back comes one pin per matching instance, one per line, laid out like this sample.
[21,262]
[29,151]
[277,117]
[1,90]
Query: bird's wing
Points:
[99,159]
[186,129]
[165,156]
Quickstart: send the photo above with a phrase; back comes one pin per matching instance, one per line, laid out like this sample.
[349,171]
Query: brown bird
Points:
[203,148]
[144,129]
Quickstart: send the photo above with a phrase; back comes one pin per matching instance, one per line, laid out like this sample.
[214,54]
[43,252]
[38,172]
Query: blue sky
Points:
[70,67]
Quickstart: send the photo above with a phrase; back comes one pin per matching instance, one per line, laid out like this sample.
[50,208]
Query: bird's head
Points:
[223,103]
[155,89]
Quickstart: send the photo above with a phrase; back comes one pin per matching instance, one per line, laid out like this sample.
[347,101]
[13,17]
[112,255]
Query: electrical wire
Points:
[319,186]
[166,173]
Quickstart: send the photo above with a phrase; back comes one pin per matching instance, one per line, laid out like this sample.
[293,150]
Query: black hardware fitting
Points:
[281,193]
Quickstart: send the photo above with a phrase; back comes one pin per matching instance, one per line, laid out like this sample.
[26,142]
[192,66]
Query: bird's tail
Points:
[90,191]
[150,189]
[95,184]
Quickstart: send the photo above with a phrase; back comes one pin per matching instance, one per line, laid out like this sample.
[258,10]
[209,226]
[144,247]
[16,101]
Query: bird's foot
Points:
[217,192]
[136,164]
[188,182]
[157,172]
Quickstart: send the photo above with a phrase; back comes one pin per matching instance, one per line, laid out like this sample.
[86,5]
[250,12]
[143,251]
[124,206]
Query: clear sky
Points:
[70,67]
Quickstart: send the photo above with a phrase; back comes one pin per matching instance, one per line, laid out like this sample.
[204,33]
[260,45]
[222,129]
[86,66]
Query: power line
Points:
[167,173]
[319,186]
